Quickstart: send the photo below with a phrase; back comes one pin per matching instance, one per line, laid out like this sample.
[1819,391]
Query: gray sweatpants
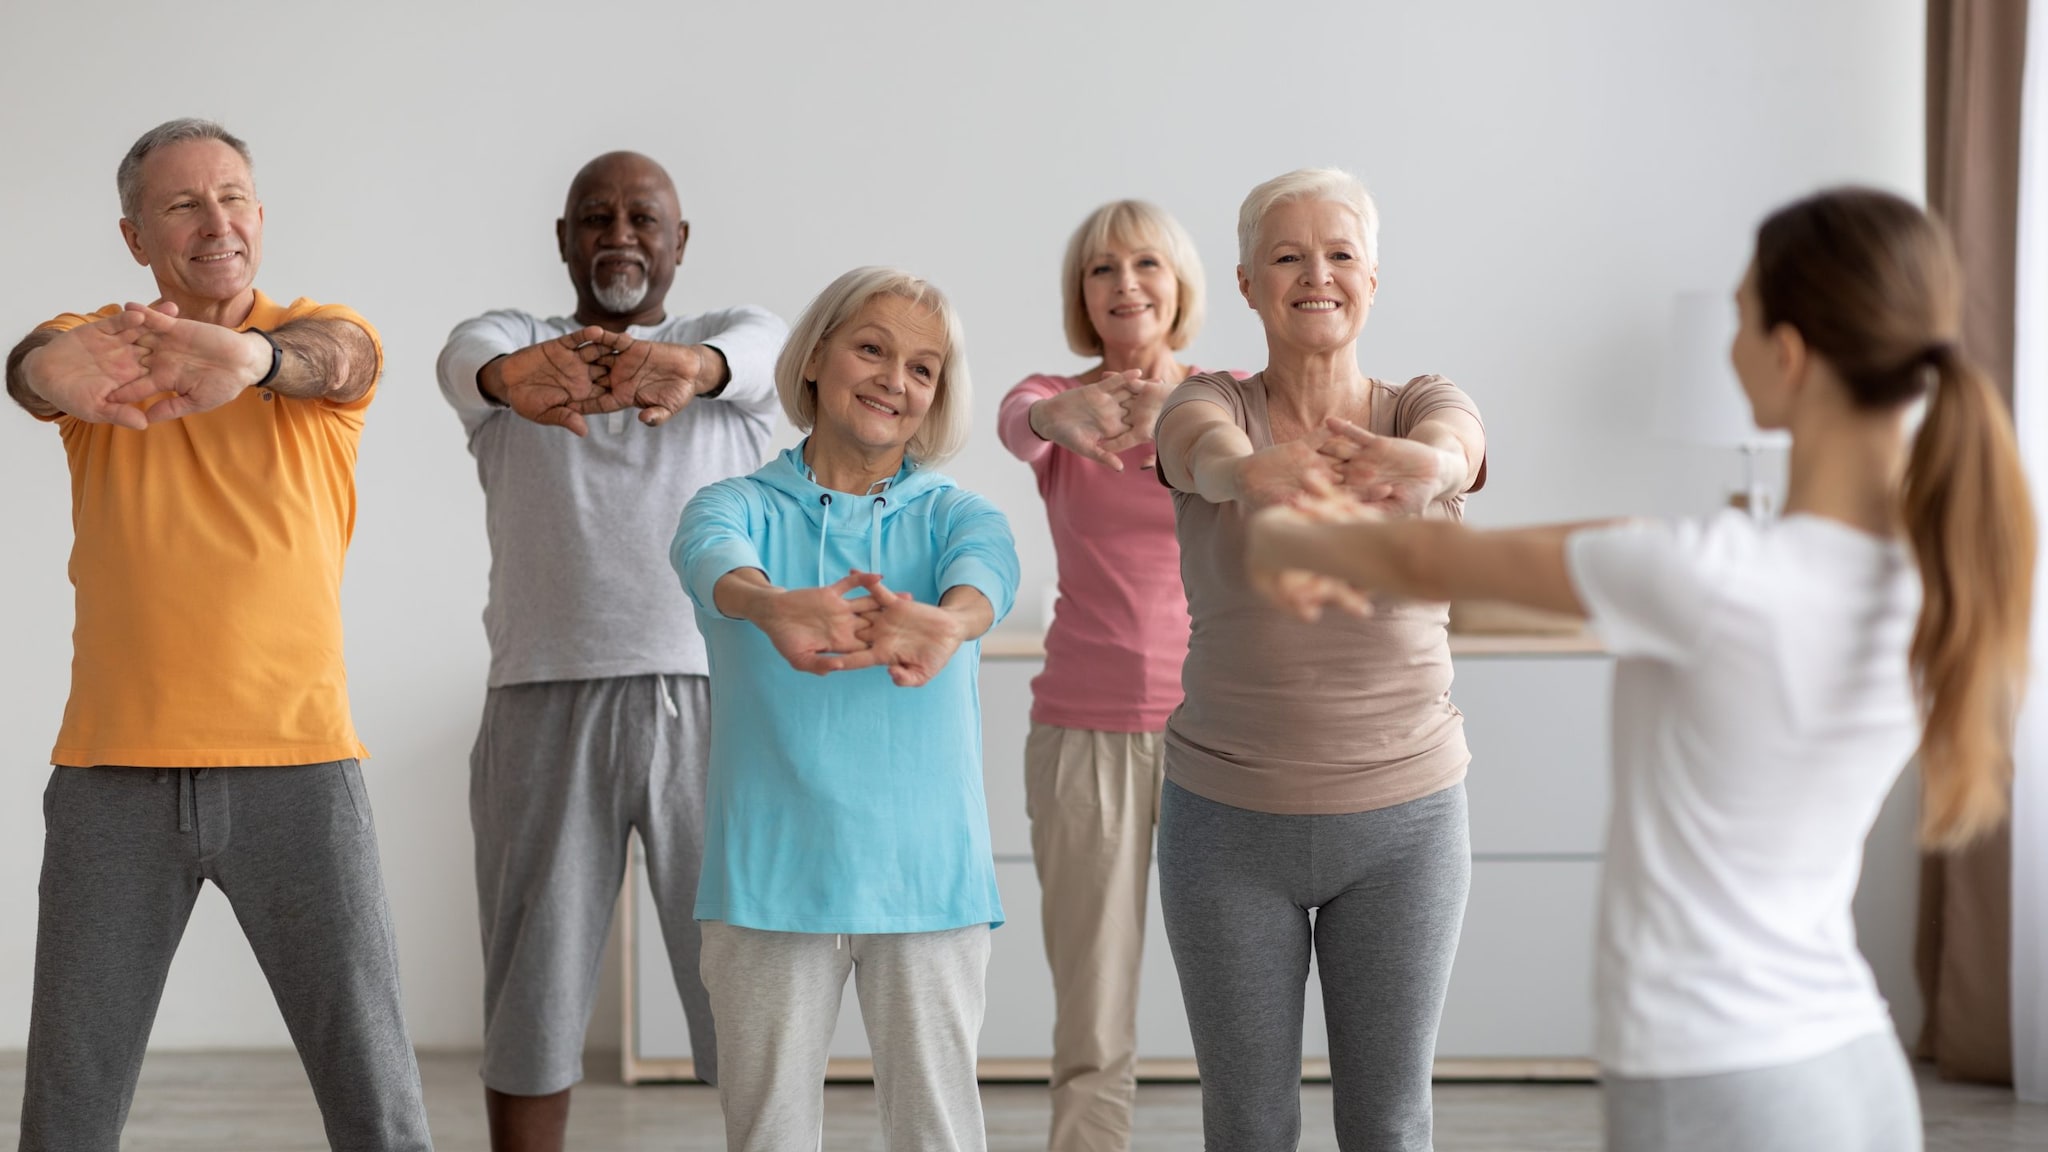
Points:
[922,998]
[562,771]
[1388,891]
[125,851]
[1857,1098]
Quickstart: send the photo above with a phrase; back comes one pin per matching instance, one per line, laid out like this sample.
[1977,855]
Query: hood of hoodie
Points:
[848,512]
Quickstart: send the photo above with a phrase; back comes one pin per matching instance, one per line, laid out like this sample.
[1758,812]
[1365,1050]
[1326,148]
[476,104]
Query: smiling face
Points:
[1131,294]
[877,374]
[622,235]
[199,227]
[1309,280]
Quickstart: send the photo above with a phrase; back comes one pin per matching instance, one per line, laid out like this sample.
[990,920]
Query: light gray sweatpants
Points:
[125,851]
[776,996]
[561,773]
[1388,889]
[1858,1098]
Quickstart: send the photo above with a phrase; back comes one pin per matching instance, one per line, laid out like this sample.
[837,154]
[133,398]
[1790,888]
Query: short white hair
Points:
[1308,184]
[947,422]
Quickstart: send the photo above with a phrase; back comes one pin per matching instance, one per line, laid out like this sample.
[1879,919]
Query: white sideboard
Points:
[1536,714]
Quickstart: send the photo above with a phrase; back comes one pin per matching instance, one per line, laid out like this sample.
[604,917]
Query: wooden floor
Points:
[259,1102]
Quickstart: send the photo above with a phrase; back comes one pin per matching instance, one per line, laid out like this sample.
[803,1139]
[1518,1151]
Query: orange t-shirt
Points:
[207,560]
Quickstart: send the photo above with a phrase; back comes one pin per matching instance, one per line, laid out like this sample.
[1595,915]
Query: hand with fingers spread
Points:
[194,366]
[552,382]
[1095,420]
[912,640]
[659,379]
[1394,475]
[80,371]
[1283,473]
[818,630]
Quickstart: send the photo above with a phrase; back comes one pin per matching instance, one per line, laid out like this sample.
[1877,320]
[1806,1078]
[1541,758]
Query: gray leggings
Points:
[1388,889]
[1857,1098]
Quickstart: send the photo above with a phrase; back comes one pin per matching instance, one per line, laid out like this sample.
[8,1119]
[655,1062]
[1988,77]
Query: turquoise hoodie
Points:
[843,803]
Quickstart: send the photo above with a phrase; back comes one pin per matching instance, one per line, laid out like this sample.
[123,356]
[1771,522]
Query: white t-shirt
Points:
[1763,708]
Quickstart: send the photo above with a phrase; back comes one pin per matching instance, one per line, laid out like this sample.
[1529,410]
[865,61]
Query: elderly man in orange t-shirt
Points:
[212,443]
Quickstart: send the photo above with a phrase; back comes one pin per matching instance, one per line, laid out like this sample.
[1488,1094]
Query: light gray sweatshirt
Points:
[580,528]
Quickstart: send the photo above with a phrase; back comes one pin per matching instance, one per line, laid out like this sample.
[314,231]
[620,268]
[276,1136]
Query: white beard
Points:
[619,294]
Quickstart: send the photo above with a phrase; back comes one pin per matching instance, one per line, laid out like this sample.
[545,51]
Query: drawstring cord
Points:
[187,803]
[875,533]
[668,702]
[824,530]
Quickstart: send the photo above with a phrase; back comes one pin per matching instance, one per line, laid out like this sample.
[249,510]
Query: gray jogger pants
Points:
[1857,1098]
[562,771]
[1388,889]
[125,851]
[922,998]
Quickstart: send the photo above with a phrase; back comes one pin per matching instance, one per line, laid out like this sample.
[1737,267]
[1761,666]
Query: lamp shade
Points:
[1700,401]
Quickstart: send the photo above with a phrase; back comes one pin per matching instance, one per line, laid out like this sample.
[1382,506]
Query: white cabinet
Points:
[1520,997]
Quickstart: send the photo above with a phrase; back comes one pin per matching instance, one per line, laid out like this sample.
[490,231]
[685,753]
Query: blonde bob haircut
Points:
[1132,224]
[947,422]
[1308,184]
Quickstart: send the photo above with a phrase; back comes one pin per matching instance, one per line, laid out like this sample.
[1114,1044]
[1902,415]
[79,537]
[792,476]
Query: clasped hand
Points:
[591,372]
[1104,419]
[100,372]
[826,629]
[1296,591]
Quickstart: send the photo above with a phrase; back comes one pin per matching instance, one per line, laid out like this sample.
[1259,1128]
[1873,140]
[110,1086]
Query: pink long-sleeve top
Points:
[1120,627]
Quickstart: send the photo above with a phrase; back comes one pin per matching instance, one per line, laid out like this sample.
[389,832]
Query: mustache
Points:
[619,257]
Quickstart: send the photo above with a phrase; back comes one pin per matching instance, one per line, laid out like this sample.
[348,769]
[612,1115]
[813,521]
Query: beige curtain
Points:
[1976,55]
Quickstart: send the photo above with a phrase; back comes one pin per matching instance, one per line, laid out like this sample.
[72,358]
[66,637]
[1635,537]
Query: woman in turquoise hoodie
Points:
[842,591]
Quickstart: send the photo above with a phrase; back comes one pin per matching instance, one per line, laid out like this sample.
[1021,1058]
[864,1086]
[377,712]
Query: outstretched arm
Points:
[85,371]
[18,385]
[1423,559]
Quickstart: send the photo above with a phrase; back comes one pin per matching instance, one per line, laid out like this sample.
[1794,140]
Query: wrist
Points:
[1031,419]
[490,382]
[1452,471]
[264,358]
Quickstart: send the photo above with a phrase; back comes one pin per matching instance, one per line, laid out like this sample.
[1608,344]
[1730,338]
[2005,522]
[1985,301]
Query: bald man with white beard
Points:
[590,434]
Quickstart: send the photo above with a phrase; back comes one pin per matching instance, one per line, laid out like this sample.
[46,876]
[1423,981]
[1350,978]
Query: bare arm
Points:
[1201,450]
[17,375]
[330,360]
[1454,432]
[1425,559]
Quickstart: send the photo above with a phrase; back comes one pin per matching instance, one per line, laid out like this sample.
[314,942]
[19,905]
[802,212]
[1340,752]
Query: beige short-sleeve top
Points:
[1342,715]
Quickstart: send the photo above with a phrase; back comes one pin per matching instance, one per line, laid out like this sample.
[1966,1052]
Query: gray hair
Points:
[1332,184]
[128,178]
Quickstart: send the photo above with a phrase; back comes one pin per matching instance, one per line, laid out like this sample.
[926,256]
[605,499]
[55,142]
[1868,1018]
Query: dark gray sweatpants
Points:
[1388,891]
[125,851]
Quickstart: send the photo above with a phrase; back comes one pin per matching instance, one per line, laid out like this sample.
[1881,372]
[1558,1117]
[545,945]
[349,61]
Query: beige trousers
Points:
[1093,799]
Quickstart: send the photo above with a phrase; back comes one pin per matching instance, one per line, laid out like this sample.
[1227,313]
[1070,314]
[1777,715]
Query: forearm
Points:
[971,611]
[1215,460]
[1015,429]
[743,594]
[1438,560]
[330,360]
[1461,442]
[18,385]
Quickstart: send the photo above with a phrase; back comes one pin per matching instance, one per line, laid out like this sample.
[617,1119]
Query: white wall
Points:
[1549,174]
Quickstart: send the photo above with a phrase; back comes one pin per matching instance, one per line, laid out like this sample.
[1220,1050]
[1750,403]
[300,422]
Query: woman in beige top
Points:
[1312,766]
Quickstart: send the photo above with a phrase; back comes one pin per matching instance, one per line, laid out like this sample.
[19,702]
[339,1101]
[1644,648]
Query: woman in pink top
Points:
[1133,296]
